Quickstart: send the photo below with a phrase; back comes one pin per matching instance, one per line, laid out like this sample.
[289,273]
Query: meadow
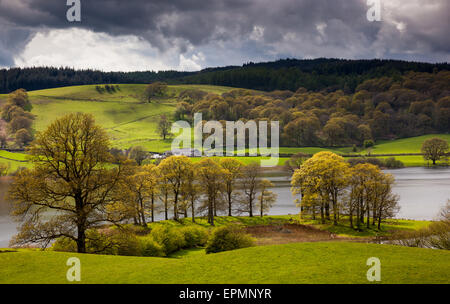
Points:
[319,262]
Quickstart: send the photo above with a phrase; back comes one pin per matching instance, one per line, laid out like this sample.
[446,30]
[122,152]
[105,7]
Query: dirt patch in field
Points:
[290,233]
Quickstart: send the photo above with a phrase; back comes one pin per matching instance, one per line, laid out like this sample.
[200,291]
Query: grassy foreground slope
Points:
[327,262]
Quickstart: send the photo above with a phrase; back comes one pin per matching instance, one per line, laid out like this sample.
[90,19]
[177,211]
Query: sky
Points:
[187,35]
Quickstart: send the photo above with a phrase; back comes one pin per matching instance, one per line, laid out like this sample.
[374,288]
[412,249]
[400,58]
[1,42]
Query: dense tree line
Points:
[314,75]
[286,74]
[48,77]
[381,108]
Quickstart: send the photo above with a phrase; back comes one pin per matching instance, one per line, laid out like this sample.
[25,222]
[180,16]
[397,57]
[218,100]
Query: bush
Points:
[125,243]
[112,242]
[150,248]
[368,143]
[170,239]
[228,238]
[366,160]
[195,236]
[64,244]
[391,162]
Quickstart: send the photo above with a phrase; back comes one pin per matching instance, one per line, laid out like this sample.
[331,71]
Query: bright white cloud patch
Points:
[81,49]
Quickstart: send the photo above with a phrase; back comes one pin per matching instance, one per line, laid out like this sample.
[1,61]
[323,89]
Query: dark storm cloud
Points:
[297,28]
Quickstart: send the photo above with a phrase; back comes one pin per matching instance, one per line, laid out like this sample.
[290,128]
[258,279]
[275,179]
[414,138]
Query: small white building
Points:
[156,156]
[184,151]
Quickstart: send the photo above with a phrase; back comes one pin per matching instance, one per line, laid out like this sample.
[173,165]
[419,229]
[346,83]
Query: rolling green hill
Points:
[130,122]
[321,262]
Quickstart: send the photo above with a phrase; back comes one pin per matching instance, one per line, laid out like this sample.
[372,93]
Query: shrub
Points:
[368,143]
[64,244]
[228,238]
[112,242]
[126,243]
[391,162]
[366,160]
[170,239]
[150,248]
[195,236]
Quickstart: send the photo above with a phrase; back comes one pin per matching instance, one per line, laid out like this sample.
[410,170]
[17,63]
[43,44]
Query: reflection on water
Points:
[423,191]
[7,226]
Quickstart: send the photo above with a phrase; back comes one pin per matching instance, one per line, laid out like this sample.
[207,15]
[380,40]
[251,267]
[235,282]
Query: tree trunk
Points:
[142,213]
[327,210]
[211,212]
[380,214]
[193,210]
[261,205]
[358,216]
[81,240]
[81,220]
[335,209]
[215,207]
[175,206]
[153,208]
[322,215]
[374,215]
[350,217]
[368,215]
[229,204]
[166,215]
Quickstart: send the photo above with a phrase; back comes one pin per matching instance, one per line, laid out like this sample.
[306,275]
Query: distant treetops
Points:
[17,119]
[381,108]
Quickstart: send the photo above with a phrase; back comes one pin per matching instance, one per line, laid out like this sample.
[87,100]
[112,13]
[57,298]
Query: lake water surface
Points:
[423,191]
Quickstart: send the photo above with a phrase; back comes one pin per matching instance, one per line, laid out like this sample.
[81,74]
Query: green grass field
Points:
[14,160]
[128,121]
[404,145]
[321,262]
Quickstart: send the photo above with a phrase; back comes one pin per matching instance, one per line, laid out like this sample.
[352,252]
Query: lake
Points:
[423,191]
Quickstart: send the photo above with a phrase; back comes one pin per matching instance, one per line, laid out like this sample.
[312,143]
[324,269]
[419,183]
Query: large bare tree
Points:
[69,190]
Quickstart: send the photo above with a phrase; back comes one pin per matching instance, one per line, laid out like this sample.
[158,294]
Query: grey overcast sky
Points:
[116,35]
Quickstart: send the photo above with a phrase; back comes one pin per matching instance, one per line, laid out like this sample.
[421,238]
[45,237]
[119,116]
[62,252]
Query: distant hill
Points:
[286,74]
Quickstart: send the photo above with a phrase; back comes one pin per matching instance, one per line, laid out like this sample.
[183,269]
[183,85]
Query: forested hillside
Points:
[381,108]
[287,74]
